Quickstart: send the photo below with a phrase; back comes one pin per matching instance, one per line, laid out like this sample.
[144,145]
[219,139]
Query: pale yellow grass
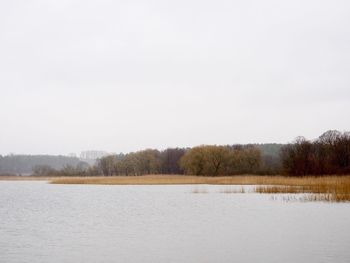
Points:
[325,188]
[332,188]
[220,180]
[240,190]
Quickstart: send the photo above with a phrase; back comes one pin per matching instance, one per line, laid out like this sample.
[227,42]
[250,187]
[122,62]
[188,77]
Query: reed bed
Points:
[332,189]
[171,179]
[240,190]
[321,182]
[280,189]
[325,188]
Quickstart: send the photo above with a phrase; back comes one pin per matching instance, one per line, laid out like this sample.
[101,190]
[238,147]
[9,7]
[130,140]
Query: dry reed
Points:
[240,190]
[325,188]
[332,189]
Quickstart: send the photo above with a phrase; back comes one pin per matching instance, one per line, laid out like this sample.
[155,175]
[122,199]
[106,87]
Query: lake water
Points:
[40,222]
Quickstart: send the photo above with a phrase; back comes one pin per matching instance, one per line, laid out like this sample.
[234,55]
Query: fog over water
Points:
[127,75]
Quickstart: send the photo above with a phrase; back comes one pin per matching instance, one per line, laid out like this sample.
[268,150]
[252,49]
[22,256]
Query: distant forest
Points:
[167,162]
[25,164]
[328,154]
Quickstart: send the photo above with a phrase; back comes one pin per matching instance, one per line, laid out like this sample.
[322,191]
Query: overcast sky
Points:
[126,75]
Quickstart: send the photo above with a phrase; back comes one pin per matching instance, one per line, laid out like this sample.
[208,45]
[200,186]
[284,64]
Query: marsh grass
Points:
[330,189]
[280,189]
[240,190]
[325,188]
[305,197]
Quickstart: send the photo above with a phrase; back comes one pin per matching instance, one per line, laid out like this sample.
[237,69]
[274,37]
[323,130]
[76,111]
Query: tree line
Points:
[25,164]
[149,161]
[207,160]
[329,154]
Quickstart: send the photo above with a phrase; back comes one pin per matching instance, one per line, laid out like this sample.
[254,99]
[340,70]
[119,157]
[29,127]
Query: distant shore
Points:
[25,178]
[184,179]
[149,179]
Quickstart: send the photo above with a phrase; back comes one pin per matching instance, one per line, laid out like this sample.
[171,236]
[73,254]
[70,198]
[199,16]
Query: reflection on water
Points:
[85,223]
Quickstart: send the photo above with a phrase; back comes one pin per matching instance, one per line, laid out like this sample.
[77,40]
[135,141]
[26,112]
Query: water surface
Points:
[149,224]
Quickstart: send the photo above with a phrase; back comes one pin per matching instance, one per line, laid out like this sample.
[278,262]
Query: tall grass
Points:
[325,188]
[240,190]
[332,189]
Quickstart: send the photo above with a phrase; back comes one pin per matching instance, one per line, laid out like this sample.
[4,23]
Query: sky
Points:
[125,75]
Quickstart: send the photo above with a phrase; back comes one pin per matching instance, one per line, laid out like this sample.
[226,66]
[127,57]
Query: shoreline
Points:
[184,179]
[325,188]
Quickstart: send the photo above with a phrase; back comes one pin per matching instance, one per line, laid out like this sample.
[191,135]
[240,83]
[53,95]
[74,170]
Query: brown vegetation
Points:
[328,188]
[214,160]
[145,162]
[329,154]
[240,190]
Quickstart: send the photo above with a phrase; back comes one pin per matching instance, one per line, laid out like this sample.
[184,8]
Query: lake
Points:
[41,222]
